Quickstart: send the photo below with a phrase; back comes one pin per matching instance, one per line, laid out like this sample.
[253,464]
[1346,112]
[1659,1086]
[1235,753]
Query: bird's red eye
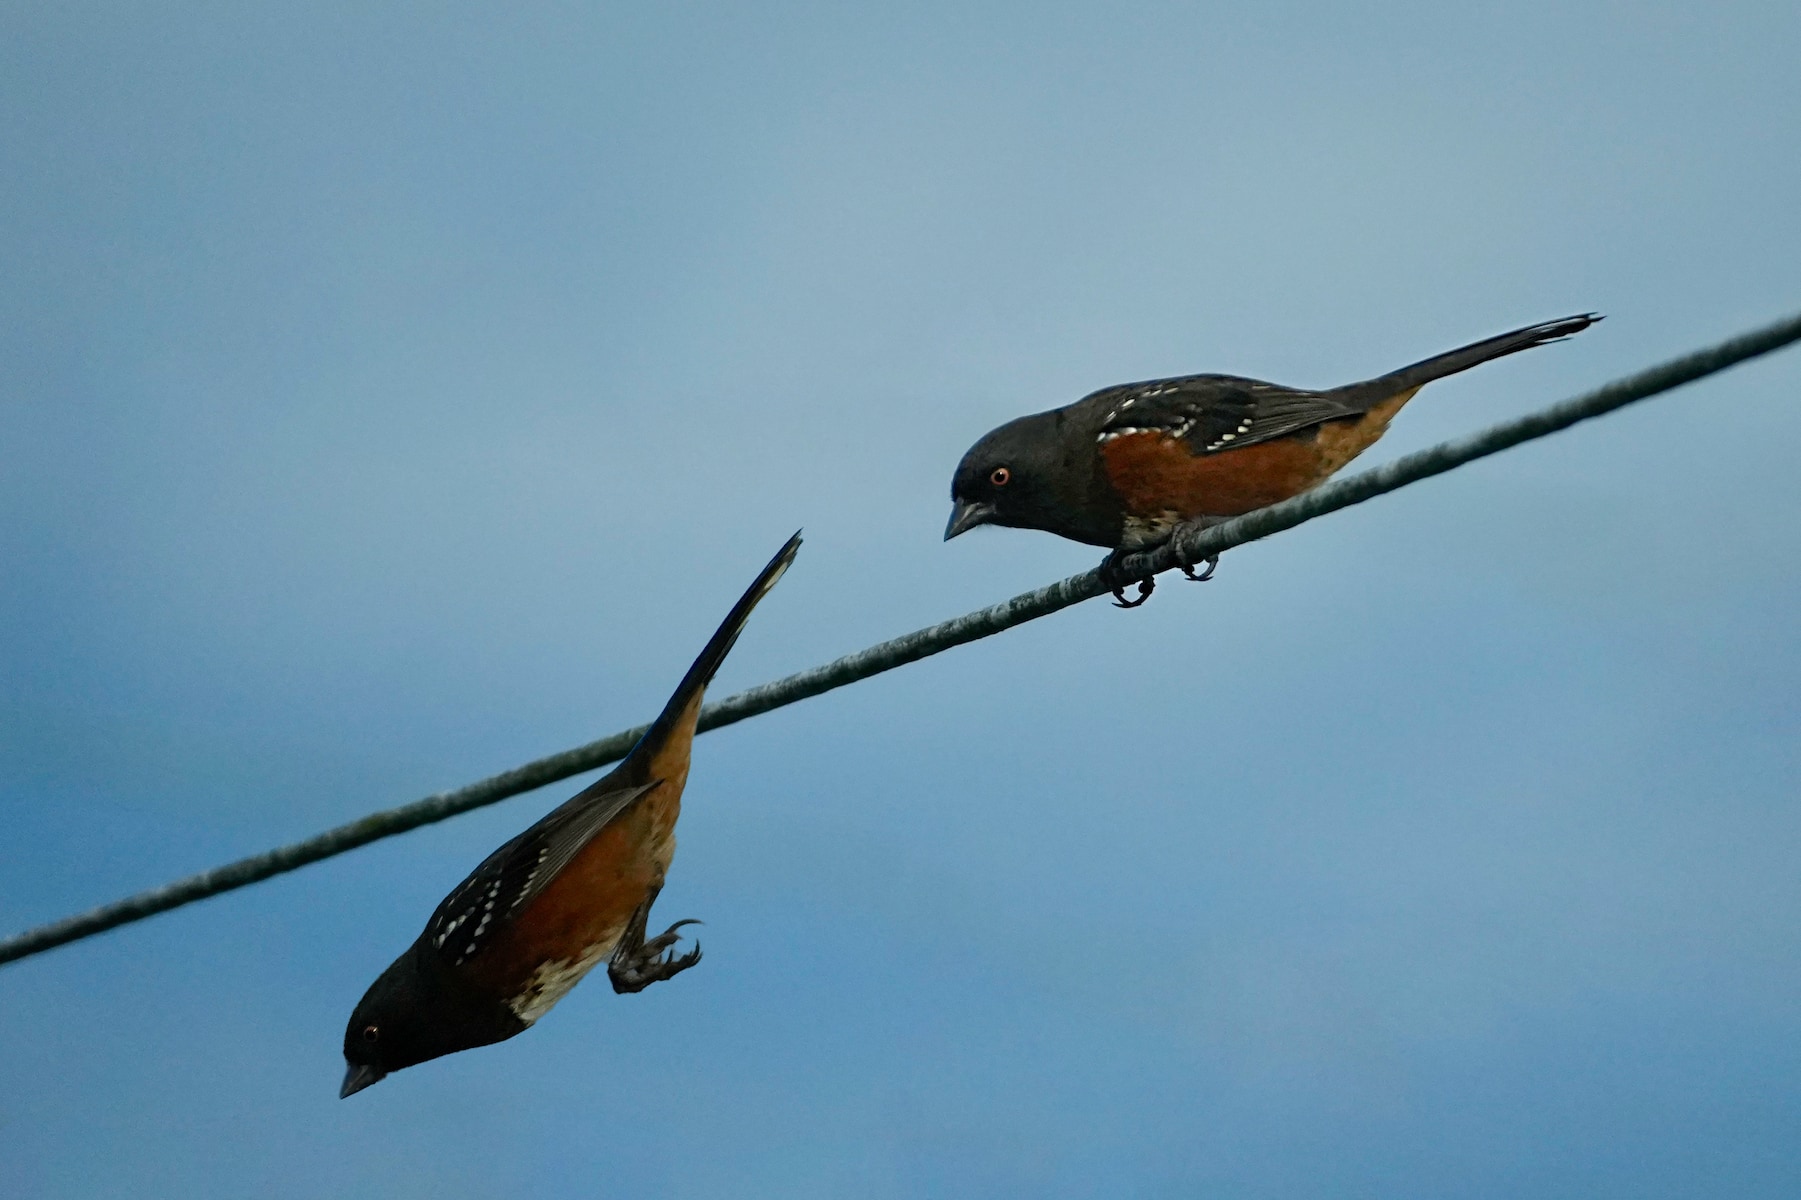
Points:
[999,476]
[370,1033]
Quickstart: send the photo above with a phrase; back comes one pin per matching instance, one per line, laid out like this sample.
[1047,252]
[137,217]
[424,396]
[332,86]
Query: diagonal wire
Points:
[920,644]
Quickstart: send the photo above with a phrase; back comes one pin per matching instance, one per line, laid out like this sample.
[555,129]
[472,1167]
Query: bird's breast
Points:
[1161,480]
[576,921]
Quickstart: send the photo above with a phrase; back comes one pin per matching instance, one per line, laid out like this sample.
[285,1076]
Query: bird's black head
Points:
[418,1009]
[1036,472]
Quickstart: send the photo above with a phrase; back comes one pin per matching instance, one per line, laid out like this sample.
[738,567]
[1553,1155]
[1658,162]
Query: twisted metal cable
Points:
[1194,546]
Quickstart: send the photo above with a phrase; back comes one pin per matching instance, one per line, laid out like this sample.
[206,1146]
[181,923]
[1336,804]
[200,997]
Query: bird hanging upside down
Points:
[1130,466]
[547,907]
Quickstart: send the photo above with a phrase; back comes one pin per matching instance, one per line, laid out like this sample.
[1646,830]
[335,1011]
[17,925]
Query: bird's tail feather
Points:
[1475,354]
[707,665]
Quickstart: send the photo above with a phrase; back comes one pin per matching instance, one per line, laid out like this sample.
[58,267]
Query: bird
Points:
[544,909]
[1130,466]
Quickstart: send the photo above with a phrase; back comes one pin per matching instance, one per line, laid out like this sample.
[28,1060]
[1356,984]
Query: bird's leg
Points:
[1115,578]
[637,962]
[1182,560]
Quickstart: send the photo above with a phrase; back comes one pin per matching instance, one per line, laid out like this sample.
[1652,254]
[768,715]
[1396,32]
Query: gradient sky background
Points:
[389,396]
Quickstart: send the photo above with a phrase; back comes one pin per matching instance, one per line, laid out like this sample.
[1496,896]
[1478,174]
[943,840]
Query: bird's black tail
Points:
[1472,355]
[707,665]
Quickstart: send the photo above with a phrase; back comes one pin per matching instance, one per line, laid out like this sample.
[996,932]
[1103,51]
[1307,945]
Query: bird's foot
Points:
[1115,578]
[1188,564]
[1185,563]
[638,962]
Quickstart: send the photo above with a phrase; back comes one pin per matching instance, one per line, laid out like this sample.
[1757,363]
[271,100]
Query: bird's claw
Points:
[1145,588]
[666,939]
[1183,561]
[1117,581]
[1211,561]
[637,962]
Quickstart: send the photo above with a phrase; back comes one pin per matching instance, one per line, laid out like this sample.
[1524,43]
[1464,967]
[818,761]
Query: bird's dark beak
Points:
[966,516]
[356,1078]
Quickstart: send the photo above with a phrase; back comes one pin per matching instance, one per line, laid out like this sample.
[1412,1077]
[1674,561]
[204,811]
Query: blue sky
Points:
[390,395]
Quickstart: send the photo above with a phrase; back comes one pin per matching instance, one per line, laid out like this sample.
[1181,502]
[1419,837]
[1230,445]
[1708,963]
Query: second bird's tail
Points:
[707,665]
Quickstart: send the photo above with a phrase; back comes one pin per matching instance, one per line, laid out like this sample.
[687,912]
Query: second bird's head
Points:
[416,1011]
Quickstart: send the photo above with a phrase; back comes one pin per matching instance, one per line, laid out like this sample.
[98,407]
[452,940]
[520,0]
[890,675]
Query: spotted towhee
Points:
[1127,466]
[541,911]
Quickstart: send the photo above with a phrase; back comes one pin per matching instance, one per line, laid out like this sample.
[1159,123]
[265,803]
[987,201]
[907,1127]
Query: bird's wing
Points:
[1213,413]
[511,877]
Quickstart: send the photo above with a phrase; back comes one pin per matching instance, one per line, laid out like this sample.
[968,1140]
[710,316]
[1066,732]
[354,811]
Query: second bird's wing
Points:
[508,879]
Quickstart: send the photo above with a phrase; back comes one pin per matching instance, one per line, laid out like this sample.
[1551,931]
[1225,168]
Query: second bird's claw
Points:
[666,939]
[635,972]
[637,963]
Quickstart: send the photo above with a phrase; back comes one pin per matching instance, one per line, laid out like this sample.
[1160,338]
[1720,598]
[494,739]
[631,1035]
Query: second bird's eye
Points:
[370,1033]
[1000,476]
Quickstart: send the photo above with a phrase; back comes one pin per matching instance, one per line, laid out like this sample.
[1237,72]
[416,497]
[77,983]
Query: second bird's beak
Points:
[357,1077]
[966,516]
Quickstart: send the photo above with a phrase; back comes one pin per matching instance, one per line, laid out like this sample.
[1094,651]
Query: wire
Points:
[914,646]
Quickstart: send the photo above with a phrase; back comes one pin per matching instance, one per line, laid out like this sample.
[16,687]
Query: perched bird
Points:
[1129,466]
[544,909]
